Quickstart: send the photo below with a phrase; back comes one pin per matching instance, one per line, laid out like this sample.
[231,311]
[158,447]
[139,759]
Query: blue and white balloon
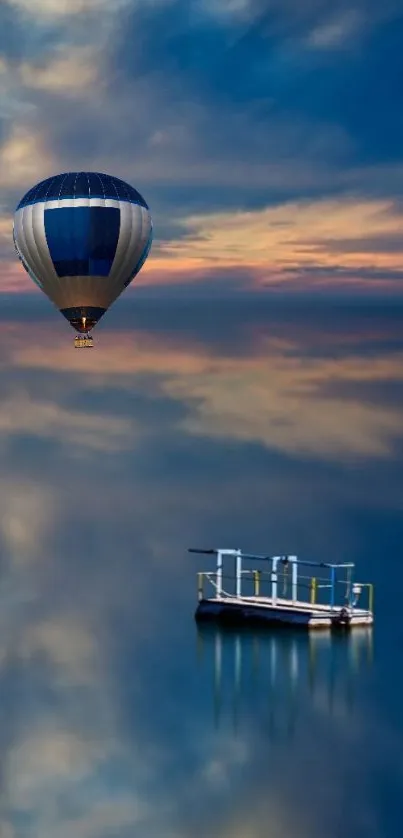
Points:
[82,237]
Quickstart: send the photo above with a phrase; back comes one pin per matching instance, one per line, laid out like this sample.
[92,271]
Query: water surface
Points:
[275,427]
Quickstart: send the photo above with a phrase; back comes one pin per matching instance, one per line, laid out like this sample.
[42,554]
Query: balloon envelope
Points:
[82,237]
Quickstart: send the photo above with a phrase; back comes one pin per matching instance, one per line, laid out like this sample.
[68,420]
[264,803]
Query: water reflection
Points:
[269,676]
[275,431]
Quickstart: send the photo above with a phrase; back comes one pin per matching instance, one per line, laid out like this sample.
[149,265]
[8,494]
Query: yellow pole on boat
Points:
[256,576]
[313,590]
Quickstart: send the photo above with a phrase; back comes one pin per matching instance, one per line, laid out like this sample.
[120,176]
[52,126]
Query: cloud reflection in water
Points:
[281,430]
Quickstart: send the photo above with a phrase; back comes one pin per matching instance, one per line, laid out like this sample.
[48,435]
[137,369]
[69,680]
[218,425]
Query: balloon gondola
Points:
[82,237]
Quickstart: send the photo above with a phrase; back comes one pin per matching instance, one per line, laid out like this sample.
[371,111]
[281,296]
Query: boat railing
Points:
[284,581]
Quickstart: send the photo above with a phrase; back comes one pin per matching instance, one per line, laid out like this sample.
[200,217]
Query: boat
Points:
[276,590]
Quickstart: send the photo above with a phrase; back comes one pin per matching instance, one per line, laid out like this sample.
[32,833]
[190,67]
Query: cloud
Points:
[61,8]
[46,755]
[6,226]
[336,32]
[123,814]
[70,71]
[238,10]
[21,414]
[289,412]
[281,115]
[297,403]
[27,516]
[24,159]
[68,645]
[323,234]
[135,355]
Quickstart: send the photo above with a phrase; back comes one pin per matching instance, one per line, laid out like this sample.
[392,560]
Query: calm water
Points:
[270,427]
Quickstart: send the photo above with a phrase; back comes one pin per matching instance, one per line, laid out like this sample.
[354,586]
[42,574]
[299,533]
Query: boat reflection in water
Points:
[276,677]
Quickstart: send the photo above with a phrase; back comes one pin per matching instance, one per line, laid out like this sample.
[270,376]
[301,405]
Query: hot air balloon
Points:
[82,237]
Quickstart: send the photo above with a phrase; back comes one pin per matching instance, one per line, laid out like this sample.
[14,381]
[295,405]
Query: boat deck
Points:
[265,610]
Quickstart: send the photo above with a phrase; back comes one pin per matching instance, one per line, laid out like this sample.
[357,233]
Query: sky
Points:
[266,135]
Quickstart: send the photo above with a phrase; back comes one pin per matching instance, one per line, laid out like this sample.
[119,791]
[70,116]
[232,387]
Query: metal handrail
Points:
[314,584]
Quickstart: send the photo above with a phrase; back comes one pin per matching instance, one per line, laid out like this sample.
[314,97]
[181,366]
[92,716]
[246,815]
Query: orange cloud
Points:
[277,398]
[271,246]
[14,280]
[288,236]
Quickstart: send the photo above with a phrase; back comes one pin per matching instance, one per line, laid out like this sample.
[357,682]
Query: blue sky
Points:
[266,137]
